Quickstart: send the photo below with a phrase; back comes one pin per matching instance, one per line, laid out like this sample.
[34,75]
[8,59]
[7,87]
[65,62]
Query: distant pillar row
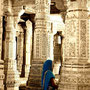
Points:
[11,73]
[40,53]
[75,70]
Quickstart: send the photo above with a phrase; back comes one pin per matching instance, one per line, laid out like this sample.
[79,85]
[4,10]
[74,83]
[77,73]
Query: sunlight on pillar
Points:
[59,39]
[21,12]
[56,18]
[56,68]
[58,24]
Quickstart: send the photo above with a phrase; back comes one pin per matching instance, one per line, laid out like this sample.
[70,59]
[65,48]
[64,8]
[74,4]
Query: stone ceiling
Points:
[57,6]
[59,3]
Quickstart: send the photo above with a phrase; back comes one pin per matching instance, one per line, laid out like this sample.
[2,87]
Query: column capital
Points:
[17,10]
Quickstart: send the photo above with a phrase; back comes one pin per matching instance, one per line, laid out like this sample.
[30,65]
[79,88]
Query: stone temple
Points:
[32,31]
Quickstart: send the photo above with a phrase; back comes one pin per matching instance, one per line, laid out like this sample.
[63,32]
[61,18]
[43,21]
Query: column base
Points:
[12,88]
[33,88]
[75,77]
[2,76]
[56,68]
[11,75]
[27,70]
[1,87]
[34,80]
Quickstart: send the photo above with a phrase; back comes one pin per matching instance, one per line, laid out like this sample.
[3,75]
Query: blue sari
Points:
[47,74]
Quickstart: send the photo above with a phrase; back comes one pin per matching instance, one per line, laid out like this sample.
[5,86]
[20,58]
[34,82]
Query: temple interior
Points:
[32,31]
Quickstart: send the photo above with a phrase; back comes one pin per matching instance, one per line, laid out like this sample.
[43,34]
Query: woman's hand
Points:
[53,83]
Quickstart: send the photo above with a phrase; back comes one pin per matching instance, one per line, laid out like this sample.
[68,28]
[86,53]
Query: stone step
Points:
[34,88]
[36,70]
[35,76]
[34,82]
[37,62]
[22,88]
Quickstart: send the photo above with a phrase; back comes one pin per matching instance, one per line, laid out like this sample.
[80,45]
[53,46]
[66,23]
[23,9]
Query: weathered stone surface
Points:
[16,43]
[75,67]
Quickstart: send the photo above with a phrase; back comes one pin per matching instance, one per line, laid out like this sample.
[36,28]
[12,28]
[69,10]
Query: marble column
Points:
[1,61]
[20,46]
[19,37]
[41,45]
[28,49]
[11,73]
[2,76]
[75,70]
[1,32]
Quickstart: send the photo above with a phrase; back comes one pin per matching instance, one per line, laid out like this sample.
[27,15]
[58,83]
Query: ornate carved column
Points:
[75,71]
[41,47]
[28,50]
[1,28]
[1,75]
[20,46]
[11,73]
[17,12]
[1,61]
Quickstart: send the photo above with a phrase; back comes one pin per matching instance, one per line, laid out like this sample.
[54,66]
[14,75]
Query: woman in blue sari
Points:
[47,76]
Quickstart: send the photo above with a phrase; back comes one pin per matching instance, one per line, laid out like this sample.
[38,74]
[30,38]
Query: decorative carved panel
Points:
[83,41]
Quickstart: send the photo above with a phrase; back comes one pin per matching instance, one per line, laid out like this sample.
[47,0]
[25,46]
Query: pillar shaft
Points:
[40,53]
[42,27]
[20,45]
[1,26]
[1,62]
[1,30]
[11,73]
[75,67]
[28,48]
[19,38]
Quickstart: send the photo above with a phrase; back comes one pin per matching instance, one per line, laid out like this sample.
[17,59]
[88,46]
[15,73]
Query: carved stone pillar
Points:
[20,45]
[20,37]
[41,47]
[28,49]
[1,30]
[1,61]
[1,75]
[11,73]
[75,70]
